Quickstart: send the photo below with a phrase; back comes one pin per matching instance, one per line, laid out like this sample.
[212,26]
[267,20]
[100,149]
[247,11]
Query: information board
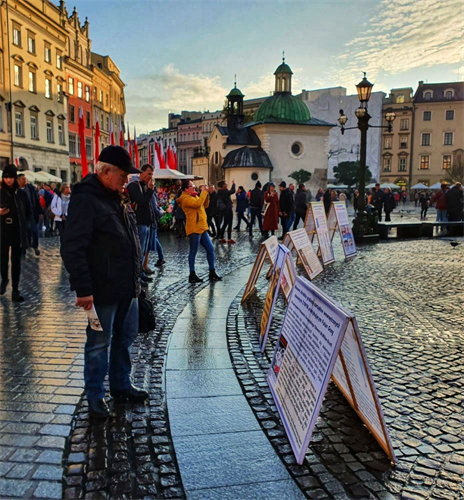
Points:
[267,250]
[309,224]
[344,227]
[320,340]
[275,281]
[299,241]
[322,231]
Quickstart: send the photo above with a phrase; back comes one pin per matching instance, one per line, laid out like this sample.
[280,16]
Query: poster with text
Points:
[331,221]
[344,226]
[257,266]
[288,277]
[322,231]
[305,251]
[303,361]
[271,245]
[309,224]
[272,292]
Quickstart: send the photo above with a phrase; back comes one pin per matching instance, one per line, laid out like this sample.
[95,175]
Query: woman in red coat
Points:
[271,217]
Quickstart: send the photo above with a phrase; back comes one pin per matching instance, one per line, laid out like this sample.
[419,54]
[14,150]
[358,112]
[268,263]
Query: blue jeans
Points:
[203,239]
[144,237]
[155,244]
[442,215]
[291,220]
[120,323]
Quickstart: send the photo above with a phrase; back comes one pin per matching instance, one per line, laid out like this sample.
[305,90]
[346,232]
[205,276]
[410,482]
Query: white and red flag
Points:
[85,168]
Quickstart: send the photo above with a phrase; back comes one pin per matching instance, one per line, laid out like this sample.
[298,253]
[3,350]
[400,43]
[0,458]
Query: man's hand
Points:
[85,302]
[4,211]
[151,184]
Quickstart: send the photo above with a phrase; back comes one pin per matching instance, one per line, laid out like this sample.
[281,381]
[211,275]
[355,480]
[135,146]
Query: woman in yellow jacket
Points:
[196,227]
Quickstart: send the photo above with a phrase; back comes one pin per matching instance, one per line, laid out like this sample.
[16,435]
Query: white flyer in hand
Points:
[94,322]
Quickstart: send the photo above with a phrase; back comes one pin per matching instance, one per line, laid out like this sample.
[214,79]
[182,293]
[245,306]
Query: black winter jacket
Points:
[300,202]
[13,225]
[225,195]
[140,195]
[256,198]
[286,204]
[212,210]
[389,202]
[101,247]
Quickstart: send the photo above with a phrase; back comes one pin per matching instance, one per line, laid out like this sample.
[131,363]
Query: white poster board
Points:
[322,231]
[319,340]
[344,227]
[275,282]
[309,224]
[299,241]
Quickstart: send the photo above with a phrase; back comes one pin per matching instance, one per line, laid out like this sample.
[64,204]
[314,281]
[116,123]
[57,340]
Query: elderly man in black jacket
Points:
[286,207]
[101,251]
[256,208]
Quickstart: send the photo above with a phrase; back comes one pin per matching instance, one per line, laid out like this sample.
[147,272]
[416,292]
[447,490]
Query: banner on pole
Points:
[320,340]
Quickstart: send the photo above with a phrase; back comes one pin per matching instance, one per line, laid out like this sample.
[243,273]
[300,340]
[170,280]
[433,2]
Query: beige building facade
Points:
[396,147]
[33,117]
[438,130]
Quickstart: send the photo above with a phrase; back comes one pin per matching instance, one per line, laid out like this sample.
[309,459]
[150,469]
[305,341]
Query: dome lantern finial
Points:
[283,57]
[235,81]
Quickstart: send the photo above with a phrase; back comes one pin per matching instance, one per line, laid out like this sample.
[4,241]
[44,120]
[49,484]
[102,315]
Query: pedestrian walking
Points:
[300,205]
[196,227]
[154,244]
[292,214]
[424,205]
[59,207]
[242,206]
[377,200]
[319,194]
[36,211]
[389,204]
[214,222]
[15,211]
[224,204]
[179,217]
[141,192]
[327,199]
[286,206]
[454,203]
[271,214]
[439,198]
[256,208]
[101,251]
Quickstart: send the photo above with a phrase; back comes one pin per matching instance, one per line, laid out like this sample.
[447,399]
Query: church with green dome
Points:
[282,137]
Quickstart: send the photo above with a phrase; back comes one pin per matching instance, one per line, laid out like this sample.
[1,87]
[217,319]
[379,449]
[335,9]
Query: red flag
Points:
[85,168]
[129,144]
[16,162]
[121,134]
[136,150]
[157,156]
[174,154]
[112,143]
[97,138]
[162,159]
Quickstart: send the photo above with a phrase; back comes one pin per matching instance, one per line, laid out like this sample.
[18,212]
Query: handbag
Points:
[221,206]
[265,207]
[147,319]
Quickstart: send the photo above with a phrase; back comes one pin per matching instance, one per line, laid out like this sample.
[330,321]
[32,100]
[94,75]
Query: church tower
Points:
[235,117]
[283,77]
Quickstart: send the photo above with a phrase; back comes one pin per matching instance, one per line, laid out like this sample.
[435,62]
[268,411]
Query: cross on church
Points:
[283,56]
[235,80]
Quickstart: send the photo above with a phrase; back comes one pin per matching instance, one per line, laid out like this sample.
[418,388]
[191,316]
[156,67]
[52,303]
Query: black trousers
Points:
[284,222]
[227,220]
[298,217]
[240,217]
[213,225]
[60,225]
[255,213]
[387,216]
[10,241]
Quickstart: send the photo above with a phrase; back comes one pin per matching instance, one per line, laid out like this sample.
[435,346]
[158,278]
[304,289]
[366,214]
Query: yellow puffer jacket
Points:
[194,210]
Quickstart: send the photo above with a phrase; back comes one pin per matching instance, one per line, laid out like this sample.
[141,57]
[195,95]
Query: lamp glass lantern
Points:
[342,119]
[364,88]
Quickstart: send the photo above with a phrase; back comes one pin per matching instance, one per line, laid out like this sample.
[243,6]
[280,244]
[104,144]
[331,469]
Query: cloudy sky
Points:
[176,55]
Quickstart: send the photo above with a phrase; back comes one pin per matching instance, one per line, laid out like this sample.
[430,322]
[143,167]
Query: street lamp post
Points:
[361,226]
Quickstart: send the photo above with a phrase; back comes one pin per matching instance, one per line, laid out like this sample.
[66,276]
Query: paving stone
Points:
[50,472]
[50,457]
[48,489]
[10,488]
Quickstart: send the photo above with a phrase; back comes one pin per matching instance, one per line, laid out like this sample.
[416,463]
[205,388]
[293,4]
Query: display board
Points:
[319,340]
[309,224]
[322,231]
[299,241]
[344,227]
[275,281]
[267,250]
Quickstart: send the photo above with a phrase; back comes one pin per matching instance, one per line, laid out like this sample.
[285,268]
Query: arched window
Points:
[449,94]
[428,95]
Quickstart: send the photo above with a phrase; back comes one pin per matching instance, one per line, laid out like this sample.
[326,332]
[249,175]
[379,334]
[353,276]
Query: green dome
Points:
[235,91]
[284,108]
[283,68]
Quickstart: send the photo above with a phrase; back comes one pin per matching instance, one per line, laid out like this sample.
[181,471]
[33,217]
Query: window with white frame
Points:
[19,127]
[16,35]
[449,114]
[31,43]
[47,52]
[59,92]
[79,90]
[446,161]
[18,75]
[428,95]
[34,127]
[71,86]
[61,133]
[72,145]
[88,147]
[59,59]
[402,164]
[448,139]
[424,162]
[50,137]
[78,146]
[403,141]
[387,164]
[425,139]
[387,143]
[400,99]
[404,124]
[101,96]
[449,94]
[427,116]
[32,81]
[72,114]
[87,93]
[48,88]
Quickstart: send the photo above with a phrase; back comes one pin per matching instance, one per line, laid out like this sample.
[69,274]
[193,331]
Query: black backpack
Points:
[147,320]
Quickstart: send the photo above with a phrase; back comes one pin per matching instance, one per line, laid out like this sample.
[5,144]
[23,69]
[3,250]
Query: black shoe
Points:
[146,279]
[193,278]
[213,276]
[3,286]
[132,394]
[236,228]
[37,251]
[159,263]
[148,271]
[17,297]
[99,409]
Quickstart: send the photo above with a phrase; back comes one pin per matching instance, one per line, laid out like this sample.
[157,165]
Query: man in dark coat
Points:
[389,204]
[101,251]
[256,208]
[286,207]
[454,203]
[214,222]
[225,207]
[36,212]
[377,200]
[300,205]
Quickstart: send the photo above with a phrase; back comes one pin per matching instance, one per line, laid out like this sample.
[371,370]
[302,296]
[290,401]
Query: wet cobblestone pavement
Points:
[408,300]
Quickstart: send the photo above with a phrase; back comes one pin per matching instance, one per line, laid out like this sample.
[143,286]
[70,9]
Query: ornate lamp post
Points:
[364,88]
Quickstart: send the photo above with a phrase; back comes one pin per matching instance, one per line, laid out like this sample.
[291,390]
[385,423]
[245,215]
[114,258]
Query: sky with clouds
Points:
[182,55]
